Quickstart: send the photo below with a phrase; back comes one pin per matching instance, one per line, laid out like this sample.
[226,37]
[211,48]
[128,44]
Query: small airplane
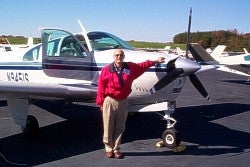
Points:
[237,63]
[66,66]
[6,46]
[165,49]
[12,52]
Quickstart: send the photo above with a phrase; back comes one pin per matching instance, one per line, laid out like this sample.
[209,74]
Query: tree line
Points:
[234,41]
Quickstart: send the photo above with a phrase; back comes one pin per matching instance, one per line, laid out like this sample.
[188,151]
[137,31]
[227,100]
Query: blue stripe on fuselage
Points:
[20,66]
[157,68]
[59,66]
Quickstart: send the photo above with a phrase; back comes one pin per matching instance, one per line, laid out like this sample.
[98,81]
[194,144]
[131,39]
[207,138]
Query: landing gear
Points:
[18,107]
[31,127]
[171,138]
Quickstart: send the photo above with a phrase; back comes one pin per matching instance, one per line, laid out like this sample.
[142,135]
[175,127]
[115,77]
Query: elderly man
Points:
[114,86]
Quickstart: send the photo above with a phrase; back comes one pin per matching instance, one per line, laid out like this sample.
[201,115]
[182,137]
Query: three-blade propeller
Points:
[173,72]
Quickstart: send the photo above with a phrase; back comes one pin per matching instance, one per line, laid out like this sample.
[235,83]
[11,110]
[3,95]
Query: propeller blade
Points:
[193,78]
[188,32]
[198,85]
[171,65]
[167,79]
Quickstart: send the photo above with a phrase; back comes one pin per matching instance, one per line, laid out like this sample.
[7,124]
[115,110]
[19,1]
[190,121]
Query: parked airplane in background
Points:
[166,49]
[12,52]
[239,64]
[15,47]
[63,68]
[218,51]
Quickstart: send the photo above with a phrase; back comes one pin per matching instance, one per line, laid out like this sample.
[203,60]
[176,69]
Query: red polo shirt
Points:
[109,83]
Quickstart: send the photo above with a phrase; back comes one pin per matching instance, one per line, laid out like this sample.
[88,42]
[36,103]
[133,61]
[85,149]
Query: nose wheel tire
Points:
[171,138]
[31,127]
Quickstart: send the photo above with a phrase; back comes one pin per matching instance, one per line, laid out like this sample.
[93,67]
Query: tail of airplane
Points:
[200,54]
[167,47]
[30,41]
[245,50]
[218,51]
[178,50]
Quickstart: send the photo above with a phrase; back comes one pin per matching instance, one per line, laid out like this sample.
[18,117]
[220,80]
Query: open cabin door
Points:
[64,56]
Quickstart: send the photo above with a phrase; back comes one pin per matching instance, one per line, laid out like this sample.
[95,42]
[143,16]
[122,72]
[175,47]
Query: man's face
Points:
[119,56]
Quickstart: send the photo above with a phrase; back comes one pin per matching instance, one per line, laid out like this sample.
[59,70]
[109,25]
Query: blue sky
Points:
[144,20]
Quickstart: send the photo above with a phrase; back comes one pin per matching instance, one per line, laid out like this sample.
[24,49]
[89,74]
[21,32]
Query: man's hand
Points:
[160,60]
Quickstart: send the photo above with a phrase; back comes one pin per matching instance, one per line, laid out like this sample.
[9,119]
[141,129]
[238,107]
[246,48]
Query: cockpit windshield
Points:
[103,41]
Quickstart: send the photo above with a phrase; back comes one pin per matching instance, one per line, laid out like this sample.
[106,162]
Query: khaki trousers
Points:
[115,113]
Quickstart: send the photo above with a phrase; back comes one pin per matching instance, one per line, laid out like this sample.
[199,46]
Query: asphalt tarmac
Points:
[216,133]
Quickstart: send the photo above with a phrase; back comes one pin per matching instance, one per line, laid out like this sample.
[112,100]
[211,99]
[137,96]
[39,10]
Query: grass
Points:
[20,40]
[135,44]
[155,45]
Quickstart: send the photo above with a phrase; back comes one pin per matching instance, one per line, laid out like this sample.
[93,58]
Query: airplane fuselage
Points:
[73,76]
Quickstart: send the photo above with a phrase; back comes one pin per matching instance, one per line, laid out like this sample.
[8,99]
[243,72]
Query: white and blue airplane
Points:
[237,63]
[66,66]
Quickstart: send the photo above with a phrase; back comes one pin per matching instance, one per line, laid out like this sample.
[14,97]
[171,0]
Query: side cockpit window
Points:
[81,38]
[70,48]
[32,54]
[59,43]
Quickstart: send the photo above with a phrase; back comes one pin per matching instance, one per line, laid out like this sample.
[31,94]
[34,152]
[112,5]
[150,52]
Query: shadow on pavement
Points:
[81,133]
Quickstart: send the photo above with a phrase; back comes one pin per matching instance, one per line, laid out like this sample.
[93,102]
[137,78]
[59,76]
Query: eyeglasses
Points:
[119,55]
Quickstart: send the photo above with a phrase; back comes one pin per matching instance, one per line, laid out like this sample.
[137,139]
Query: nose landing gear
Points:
[170,137]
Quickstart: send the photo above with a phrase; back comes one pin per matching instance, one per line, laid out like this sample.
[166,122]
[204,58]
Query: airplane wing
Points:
[51,91]
[244,68]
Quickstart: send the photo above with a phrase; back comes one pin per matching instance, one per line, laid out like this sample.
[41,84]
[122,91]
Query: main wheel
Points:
[31,126]
[171,138]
